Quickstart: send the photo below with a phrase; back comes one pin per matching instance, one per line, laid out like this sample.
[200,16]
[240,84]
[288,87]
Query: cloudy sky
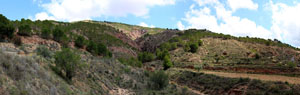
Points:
[270,19]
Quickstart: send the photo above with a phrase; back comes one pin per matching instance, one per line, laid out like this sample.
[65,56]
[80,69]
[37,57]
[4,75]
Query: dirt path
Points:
[292,80]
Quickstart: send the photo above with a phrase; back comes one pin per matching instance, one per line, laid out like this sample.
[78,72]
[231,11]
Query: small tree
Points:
[46,33]
[92,48]
[165,46]
[200,43]
[159,80]
[162,54]
[194,47]
[102,50]
[167,63]
[66,61]
[6,29]
[186,48]
[25,30]
[80,41]
[98,49]
[58,34]
[146,57]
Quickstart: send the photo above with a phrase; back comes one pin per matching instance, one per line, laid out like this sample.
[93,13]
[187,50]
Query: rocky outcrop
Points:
[150,43]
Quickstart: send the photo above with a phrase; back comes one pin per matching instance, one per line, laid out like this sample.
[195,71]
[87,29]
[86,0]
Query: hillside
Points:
[109,58]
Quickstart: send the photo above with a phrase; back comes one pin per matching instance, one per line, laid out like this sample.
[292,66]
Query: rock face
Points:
[35,41]
[150,43]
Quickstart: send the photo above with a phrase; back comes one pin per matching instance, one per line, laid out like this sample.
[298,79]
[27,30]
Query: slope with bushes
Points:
[107,58]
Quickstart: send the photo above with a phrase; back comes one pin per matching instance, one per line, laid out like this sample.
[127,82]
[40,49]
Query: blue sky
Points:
[270,19]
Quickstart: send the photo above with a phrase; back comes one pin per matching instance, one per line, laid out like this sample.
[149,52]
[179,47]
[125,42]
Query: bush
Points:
[146,57]
[291,64]
[165,46]
[161,55]
[98,49]
[159,80]
[80,42]
[102,50]
[186,48]
[59,35]
[25,30]
[167,63]
[200,43]
[66,61]
[257,56]
[6,29]
[92,48]
[46,33]
[131,61]
[194,47]
[198,67]
[173,46]
[43,51]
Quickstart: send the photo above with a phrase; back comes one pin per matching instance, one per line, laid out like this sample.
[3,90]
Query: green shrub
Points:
[102,50]
[173,46]
[92,48]
[46,33]
[158,52]
[291,64]
[146,57]
[43,51]
[66,63]
[200,43]
[159,80]
[131,61]
[175,39]
[186,48]
[165,46]
[257,56]
[194,47]
[80,42]
[98,49]
[6,29]
[25,30]
[198,67]
[161,55]
[59,35]
[167,63]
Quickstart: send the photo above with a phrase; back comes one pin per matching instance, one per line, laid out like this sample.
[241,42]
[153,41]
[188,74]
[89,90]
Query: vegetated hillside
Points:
[211,51]
[107,58]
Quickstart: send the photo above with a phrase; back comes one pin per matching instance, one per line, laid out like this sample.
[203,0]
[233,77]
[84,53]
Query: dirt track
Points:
[292,80]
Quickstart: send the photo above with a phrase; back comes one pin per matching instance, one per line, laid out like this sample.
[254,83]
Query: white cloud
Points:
[206,2]
[146,25]
[223,22]
[73,10]
[238,4]
[180,25]
[286,22]
[43,16]
[201,19]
